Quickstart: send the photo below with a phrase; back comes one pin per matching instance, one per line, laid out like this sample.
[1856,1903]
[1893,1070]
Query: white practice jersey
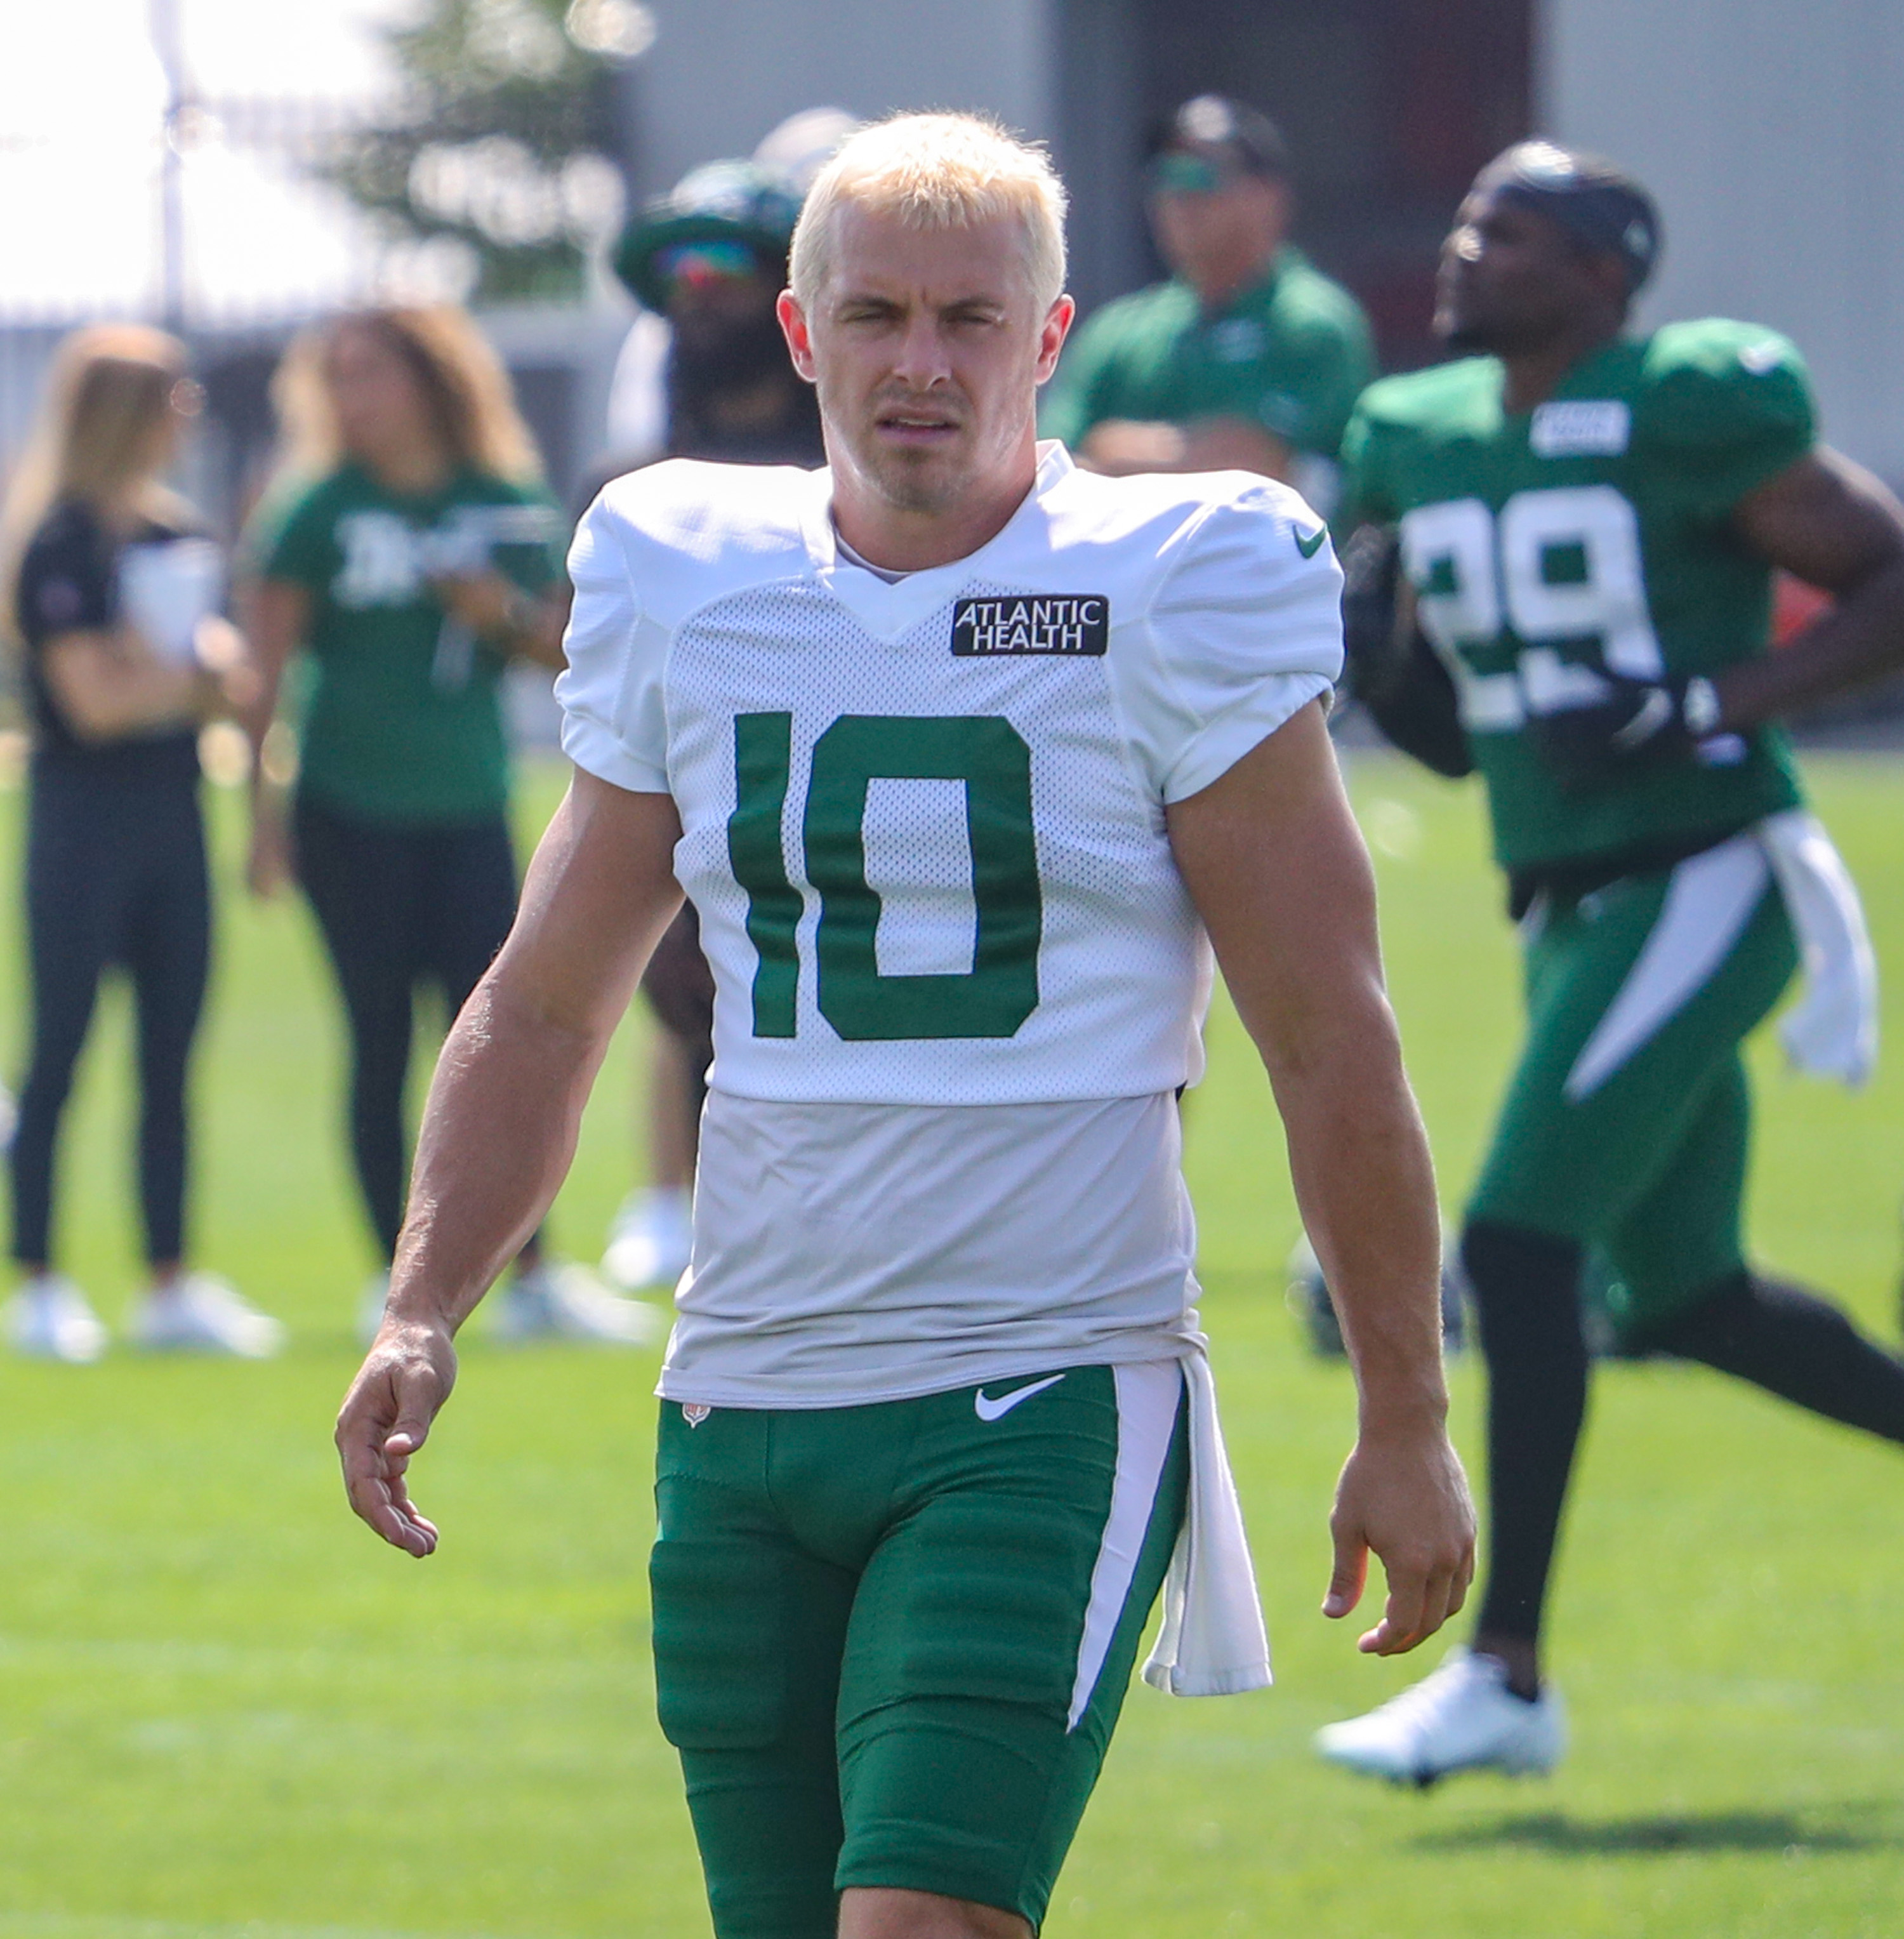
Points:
[923,828]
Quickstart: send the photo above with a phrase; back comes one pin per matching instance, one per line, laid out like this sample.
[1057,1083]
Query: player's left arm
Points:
[1836,527]
[1275,865]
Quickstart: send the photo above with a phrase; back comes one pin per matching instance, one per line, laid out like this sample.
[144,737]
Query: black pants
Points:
[115,876]
[398,907]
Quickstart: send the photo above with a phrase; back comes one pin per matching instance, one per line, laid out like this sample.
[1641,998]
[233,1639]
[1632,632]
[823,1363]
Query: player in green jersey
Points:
[1583,527]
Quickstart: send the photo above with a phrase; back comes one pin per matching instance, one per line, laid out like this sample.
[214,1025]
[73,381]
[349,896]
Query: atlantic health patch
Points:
[1072,624]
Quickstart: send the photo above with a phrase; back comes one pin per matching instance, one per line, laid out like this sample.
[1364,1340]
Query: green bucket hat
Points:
[720,202]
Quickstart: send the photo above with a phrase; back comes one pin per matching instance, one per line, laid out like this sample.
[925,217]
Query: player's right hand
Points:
[386,1418]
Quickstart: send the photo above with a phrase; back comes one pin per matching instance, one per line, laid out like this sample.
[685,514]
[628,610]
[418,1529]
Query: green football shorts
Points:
[1627,1123]
[891,1642]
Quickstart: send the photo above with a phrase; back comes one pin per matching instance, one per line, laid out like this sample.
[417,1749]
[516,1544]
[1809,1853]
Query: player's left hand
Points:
[1405,1497]
[405,1379]
[1641,723]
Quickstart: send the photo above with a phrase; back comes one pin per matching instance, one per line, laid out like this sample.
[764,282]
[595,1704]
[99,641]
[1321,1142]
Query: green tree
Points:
[503,138]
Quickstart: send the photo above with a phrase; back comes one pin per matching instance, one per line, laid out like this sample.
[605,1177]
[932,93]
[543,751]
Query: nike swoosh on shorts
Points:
[988,1409]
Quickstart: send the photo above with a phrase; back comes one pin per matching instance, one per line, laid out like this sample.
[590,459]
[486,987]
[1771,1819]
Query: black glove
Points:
[1394,673]
[1641,724]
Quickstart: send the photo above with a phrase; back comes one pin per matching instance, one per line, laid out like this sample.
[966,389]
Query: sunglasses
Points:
[1177,173]
[693,263]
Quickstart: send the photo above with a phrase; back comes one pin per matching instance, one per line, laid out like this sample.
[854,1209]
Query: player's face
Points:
[928,347]
[380,408]
[1509,279]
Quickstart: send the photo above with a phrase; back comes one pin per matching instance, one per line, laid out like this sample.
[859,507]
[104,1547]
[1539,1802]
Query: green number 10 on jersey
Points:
[985,753]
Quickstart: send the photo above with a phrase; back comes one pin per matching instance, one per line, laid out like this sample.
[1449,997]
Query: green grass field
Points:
[225,1710]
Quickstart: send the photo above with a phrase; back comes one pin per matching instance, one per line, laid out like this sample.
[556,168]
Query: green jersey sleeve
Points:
[526,538]
[1366,499]
[1723,406]
[1340,360]
[291,537]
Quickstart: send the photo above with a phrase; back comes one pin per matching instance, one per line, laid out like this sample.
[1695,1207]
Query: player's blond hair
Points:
[109,389]
[936,172]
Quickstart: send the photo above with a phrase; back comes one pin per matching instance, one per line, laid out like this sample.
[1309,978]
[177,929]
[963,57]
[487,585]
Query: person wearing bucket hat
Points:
[709,257]
[1248,358]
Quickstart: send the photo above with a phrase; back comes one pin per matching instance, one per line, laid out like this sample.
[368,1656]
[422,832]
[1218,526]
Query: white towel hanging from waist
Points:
[1212,1643]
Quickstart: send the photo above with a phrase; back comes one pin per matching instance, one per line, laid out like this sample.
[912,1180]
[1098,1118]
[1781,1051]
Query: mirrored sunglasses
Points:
[1176,173]
[707,262]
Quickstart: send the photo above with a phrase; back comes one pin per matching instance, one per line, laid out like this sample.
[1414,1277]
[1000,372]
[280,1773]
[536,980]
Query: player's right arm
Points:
[500,1128]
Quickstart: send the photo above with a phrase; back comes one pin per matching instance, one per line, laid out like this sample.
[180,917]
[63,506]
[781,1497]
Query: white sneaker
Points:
[199,1313]
[568,1302]
[50,1319]
[1462,1718]
[651,1238]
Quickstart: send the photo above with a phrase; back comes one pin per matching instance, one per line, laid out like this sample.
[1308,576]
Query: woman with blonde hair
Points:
[409,552]
[111,596]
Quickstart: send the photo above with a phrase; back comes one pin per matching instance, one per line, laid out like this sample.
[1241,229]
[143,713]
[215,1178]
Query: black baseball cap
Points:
[1602,208]
[1245,136]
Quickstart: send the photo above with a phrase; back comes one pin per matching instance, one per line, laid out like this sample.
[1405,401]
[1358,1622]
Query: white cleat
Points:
[199,1313]
[49,1318]
[1462,1718]
[651,1238]
[568,1302]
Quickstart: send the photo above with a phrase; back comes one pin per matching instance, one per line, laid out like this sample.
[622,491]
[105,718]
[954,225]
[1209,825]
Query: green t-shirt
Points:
[1290,354]
[1593,532]
[402,716]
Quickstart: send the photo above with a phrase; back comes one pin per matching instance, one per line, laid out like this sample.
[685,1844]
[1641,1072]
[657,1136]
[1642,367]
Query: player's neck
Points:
[1533,375]
[901,538]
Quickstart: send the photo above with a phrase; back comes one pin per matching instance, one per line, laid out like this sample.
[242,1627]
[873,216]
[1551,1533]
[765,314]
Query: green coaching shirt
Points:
[1291,353]
[402,716]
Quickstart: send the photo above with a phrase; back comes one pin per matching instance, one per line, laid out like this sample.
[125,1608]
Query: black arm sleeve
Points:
[66,583]
[1398,676]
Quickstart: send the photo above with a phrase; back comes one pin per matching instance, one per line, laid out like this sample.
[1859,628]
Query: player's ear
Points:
[799,339]
[1055,328]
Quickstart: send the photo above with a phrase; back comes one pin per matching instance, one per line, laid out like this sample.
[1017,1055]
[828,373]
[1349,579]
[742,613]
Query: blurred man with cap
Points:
[710,257]
[1248,358]
[792,152]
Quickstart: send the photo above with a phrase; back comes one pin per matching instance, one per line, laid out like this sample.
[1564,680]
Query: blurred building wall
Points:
[718,78]
[1390,105]
[1772,134]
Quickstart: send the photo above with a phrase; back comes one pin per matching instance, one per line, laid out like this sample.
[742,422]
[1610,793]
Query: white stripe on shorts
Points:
[1709,901]
[1149,1395]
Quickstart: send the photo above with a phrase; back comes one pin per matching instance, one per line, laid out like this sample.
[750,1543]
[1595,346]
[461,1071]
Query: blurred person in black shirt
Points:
[114,590]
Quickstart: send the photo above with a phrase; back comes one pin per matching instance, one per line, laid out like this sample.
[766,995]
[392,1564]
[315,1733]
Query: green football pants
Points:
[1627,1122]
[891,1642]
